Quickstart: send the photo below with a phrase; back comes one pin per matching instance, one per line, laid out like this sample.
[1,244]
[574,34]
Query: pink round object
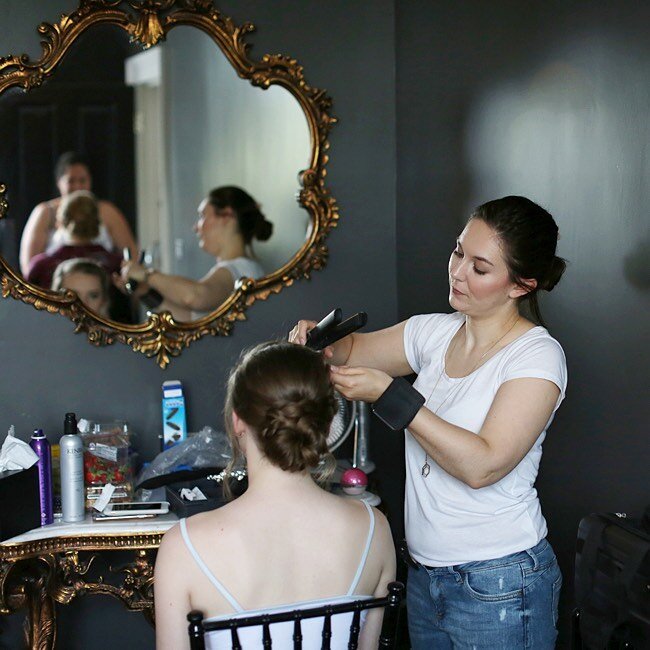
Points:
[354,478]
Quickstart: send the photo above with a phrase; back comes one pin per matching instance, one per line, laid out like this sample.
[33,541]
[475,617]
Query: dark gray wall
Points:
[47,370]
[550,101]
[461,67]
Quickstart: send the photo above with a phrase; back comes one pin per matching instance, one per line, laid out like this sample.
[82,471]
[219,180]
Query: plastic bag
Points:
[206,448]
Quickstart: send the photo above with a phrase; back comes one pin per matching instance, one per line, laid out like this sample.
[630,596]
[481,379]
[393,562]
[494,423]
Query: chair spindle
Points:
[234,637]
[355,628]
[391,615]
[266,636]
[297,633]
[197,639]
[327,632]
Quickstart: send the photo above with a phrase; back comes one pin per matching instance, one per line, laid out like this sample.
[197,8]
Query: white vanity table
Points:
[54,564]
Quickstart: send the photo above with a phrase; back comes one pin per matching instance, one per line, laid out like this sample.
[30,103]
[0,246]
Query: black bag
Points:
[612,583]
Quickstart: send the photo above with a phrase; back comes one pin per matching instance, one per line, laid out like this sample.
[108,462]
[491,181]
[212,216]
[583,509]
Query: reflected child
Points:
[87,279]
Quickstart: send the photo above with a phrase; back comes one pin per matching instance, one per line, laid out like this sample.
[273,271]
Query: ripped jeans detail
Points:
[506,603]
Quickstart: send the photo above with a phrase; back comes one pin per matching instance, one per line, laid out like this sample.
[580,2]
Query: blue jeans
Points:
[503,604]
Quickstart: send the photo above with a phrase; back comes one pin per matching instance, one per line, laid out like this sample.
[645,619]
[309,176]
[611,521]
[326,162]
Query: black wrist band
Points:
[398,404]
[151,299]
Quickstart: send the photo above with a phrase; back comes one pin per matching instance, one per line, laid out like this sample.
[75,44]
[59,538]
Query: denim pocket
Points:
[494,584]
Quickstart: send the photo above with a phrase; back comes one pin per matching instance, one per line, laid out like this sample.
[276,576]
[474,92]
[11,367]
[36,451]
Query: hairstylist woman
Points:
[488,384]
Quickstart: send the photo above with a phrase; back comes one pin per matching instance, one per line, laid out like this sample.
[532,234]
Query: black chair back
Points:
[387,639]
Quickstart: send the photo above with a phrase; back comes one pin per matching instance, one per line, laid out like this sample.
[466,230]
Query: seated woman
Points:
[285,543]
[43,233]
[229,220]
[78,215]
[88,279]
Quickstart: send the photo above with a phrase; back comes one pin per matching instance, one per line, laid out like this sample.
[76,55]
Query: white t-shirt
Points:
[448,522]
[239,267]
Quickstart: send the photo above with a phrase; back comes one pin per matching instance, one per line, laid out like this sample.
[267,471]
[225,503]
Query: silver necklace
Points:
[426,468]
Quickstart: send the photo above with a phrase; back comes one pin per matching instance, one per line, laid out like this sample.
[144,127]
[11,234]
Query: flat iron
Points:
[331,329]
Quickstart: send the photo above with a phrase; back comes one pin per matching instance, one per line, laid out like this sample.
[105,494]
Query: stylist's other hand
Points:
[298,335]
[364,384]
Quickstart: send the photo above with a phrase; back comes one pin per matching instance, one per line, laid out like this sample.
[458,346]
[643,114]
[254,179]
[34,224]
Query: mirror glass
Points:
[160,128]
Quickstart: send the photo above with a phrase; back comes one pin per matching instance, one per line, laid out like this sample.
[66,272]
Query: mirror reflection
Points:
[169,136]
[229,220]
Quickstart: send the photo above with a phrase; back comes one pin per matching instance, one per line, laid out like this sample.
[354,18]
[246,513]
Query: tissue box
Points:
[20,509]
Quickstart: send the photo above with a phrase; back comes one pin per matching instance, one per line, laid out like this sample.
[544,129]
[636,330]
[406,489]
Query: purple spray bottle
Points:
[41,447]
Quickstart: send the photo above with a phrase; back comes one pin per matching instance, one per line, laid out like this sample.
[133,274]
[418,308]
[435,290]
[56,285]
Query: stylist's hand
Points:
[364,384]
[133,271]
[127,273]
[298,335]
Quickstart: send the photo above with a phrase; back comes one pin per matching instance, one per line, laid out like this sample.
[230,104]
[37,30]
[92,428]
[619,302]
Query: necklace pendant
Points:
[426,468]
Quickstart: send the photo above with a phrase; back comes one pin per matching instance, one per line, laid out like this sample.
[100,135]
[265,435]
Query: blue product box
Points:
[173,413]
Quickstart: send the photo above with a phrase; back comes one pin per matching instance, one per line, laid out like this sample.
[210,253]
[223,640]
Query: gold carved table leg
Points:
[27,584]
[38,583]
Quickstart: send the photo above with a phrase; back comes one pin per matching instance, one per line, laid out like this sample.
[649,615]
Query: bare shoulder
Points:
[209,528]
[197,528]
[41,213]
[109,210]
[171,540]
[359,511]
[170,550]
[381,521]
[107,205]
[383,534]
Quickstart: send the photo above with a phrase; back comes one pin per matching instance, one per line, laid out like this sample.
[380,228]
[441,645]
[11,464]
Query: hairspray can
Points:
[41,447]
[72,471]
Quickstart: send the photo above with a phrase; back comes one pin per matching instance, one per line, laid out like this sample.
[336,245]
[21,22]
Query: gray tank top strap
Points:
[364,557]
[197,558]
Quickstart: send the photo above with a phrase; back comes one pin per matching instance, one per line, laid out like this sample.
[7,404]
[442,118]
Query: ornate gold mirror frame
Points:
[147,22]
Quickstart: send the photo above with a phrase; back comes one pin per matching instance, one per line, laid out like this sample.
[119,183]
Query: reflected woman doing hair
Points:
[284,393]
[529,237]
[250,220]
[67,160]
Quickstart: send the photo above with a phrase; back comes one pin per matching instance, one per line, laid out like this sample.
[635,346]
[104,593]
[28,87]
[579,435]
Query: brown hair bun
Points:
[283,392]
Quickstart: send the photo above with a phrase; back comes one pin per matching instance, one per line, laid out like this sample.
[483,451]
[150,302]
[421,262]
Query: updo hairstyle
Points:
[529,235]
[80,211]
[251,222]
[283,393]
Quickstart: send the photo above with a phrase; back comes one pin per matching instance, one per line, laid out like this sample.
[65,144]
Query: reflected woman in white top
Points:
[229,220]
[285,542]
